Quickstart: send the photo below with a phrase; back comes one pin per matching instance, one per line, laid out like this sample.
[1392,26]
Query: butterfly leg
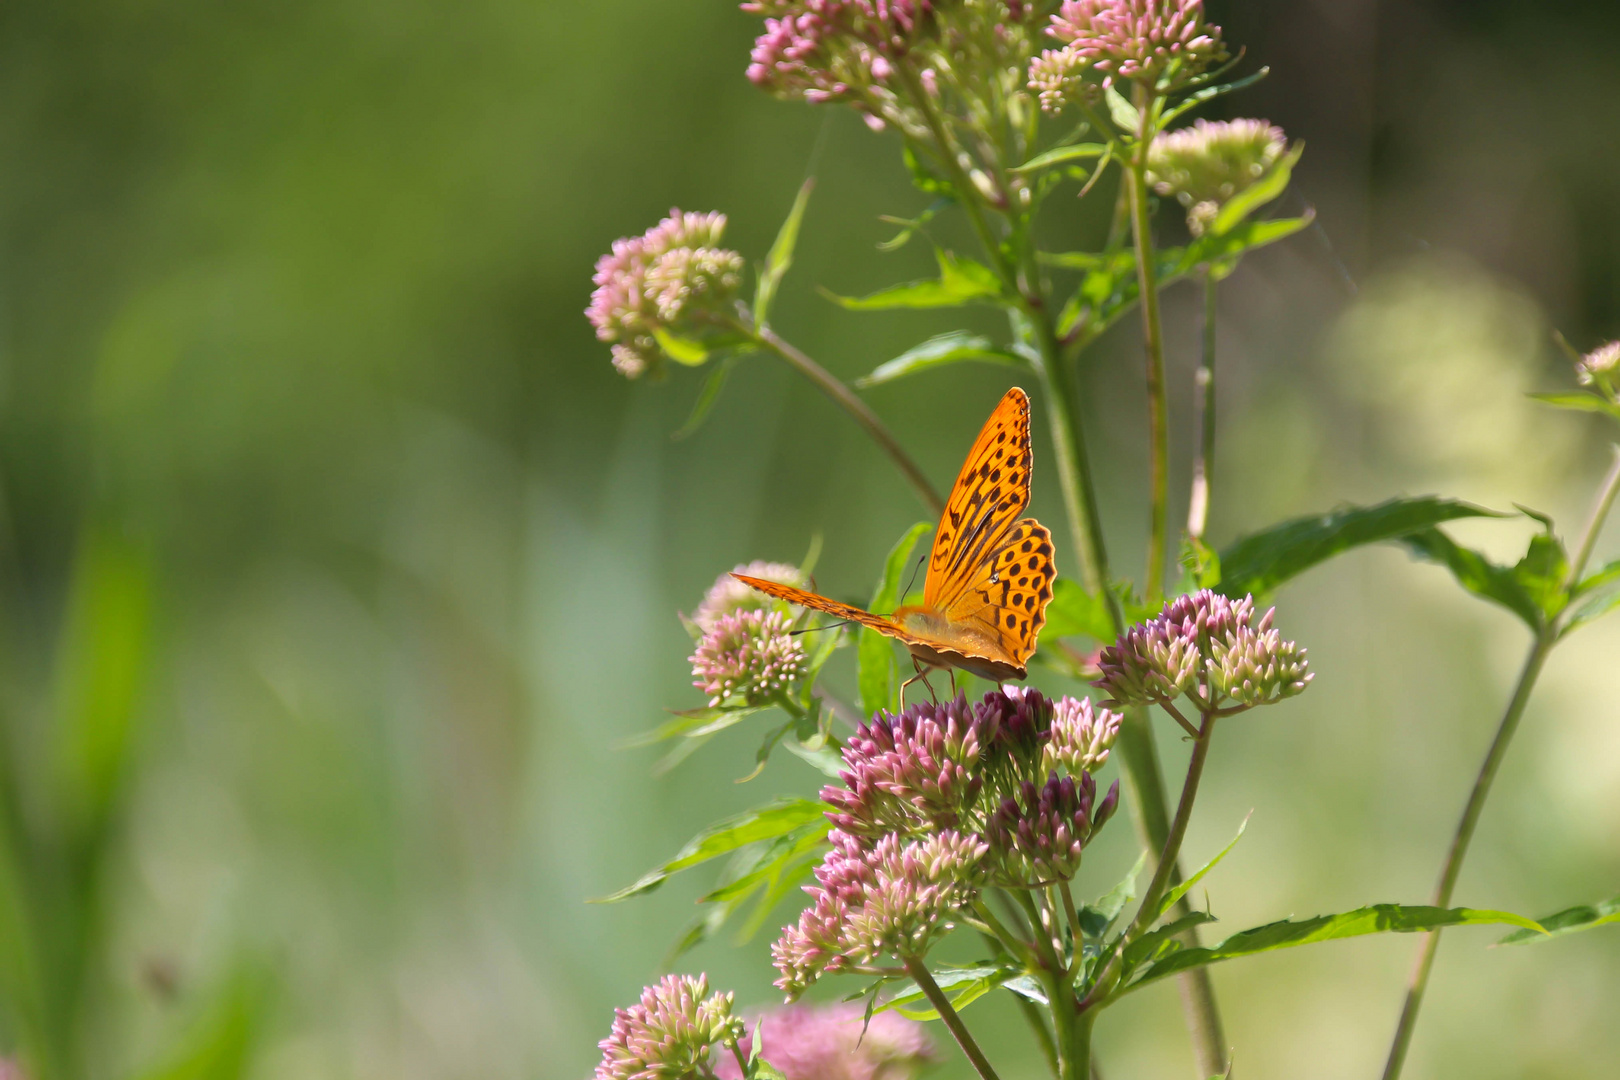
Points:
[922,674]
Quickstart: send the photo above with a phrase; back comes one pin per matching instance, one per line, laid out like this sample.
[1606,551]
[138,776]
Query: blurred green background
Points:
[336,562]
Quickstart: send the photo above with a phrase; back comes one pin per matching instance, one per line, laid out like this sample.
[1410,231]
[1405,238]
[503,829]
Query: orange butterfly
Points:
[989,574]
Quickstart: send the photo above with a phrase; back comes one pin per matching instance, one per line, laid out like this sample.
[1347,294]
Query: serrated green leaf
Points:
[952,348]
[1286,934]
[875,653]
[1578,403]
[682,350]
[780,256]
[1260,562]
[1256,195]
[1060,155]
[722,838]
[1477,574]
[1569,921]
[1122,112]
[1175,894]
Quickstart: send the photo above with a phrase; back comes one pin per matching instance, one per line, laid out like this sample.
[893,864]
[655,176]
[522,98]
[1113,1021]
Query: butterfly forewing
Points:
[990,492]
[821,603]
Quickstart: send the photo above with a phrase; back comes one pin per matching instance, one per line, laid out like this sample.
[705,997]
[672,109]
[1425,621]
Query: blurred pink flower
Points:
[835,1042]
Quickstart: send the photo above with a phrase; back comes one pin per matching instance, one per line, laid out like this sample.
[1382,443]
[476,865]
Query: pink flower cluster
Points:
[1124,39]
[894,897]
[1600,369]
[747,658]
[836,1042]
[833,50]
[667,279]
[1081,736]
[669,1033]
[1206,647]
[1205,165]
[908,773]
[728,595]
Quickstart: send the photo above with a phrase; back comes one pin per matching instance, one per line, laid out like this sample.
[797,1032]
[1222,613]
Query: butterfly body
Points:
[990,573]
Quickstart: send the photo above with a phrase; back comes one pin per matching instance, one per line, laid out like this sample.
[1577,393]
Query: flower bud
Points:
[670,1032]
[674,278]
[747,658]
[1600,369]
[1139,39]
[1081,736]
[1205,165]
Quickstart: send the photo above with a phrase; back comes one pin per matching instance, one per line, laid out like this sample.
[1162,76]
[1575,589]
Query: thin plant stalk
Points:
[1153,346]
[846,399]
[1204,388]
[953,1022]
[1533,663]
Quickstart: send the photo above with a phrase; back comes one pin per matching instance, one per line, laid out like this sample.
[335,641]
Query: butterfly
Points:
[990,573]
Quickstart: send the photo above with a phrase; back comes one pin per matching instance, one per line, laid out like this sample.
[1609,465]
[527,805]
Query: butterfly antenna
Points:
[915,570]
[829,626]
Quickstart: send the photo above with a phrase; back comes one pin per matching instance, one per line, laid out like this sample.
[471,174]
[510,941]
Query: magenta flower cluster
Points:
[1038,837]
[1207,648]
[836,1042]
[937,802]
[669,280]
[670,1032]
[1143,40]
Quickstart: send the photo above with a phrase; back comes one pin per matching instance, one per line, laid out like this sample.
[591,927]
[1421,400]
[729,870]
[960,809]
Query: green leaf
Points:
[780,256]
[1200,564]
[682,350]
[961,281]
[763,755]
[220,1042]
[1060,155]
[1260,562]
[693,723]
[1122,112]
[1569,921]
[707,397]
[1073,612]
[1286,934]
[1158,944]
[1223,250]
[1594,598]
[722,838]
[761,1069]
[923,178]
[1477,574]
[911,226]
[1579,403]
[1097,918]
[1251,198]
[962,986]
[874,652]
[951,348]
[1172,895]
[104,649]
[1198,97]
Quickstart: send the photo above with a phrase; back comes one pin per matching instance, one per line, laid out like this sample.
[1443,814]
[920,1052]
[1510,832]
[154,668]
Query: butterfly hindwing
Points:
[990,492]
[822,603]
[1006,599]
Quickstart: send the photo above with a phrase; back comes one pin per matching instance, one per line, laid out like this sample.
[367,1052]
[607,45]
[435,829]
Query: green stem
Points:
[942,1005]
[1533,662]
[1153,344]
[1204,384]
[1031,1011]
[846,399]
